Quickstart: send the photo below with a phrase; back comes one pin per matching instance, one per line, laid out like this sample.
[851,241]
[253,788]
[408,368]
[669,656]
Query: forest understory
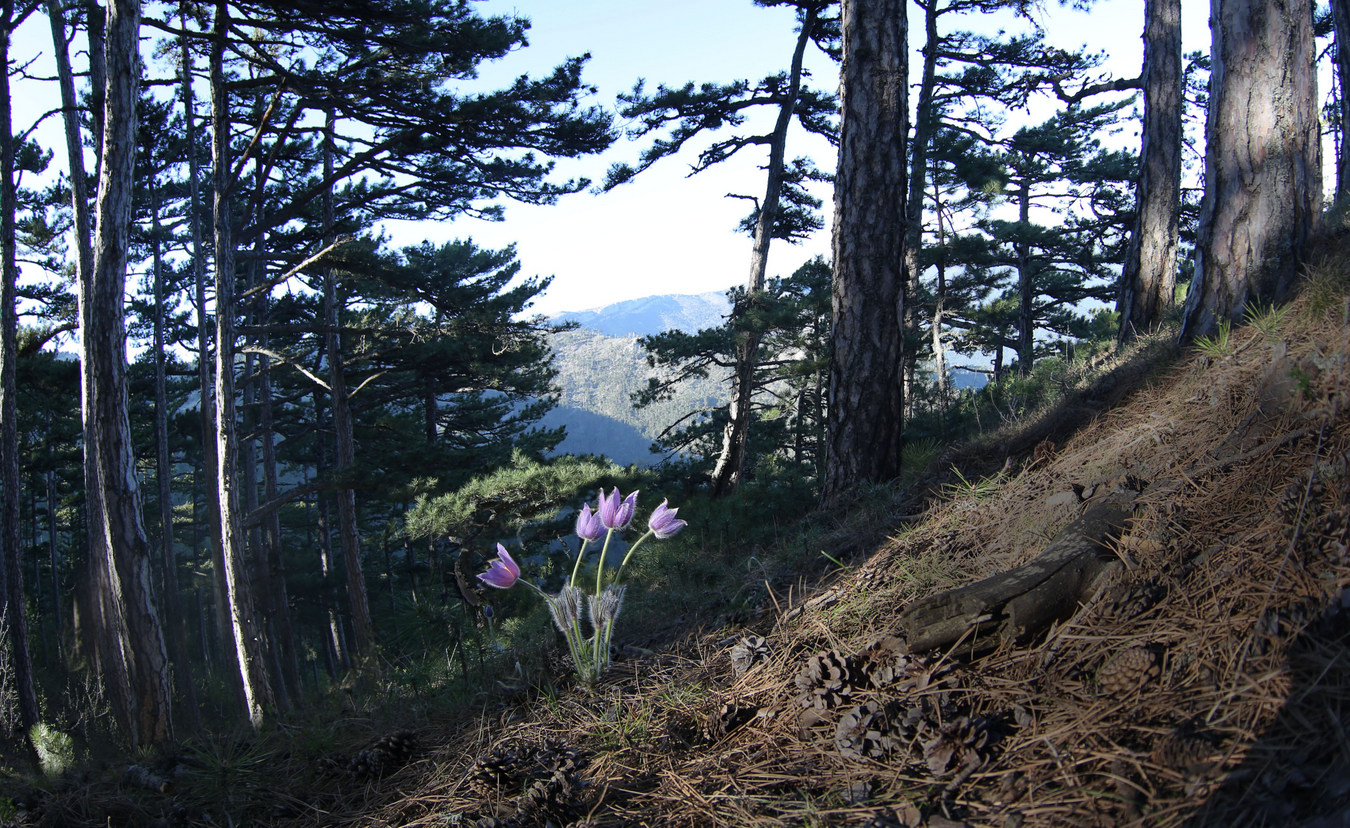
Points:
[1205,682]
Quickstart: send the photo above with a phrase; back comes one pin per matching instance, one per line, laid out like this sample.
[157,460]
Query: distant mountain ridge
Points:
[601,364]
[653,314]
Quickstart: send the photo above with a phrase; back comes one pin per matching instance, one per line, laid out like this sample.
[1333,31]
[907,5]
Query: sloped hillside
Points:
[1206,683]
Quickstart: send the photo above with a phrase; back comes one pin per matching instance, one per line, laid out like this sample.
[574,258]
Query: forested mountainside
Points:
[602,364]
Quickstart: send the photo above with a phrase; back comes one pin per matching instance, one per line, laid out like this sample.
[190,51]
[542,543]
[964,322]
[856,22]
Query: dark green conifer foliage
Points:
[786,211]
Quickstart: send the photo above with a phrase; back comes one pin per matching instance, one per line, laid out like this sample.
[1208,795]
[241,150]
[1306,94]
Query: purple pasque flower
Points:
[663,522]
[589,525]
[616,514]
[503,572]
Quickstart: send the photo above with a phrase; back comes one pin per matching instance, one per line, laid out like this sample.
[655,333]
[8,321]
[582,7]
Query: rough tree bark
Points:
[176,639]
[736,436]
[344,439]
[866,400]
[205,381]
[1149,277]
[12,603]
[141,694]
[249,641]
[1263,173]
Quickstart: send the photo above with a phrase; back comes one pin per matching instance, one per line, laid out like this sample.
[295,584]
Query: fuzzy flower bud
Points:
[616,514]
[663,522]
[589,525]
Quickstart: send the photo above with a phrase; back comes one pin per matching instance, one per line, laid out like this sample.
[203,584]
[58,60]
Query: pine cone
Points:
[1182,749]
[956,748]
[503,769]
[827,680]
[869,731]
[728,718]
[1128,672]
[388,754]
[885,662]
[749,651]
[552,800]
[554,756]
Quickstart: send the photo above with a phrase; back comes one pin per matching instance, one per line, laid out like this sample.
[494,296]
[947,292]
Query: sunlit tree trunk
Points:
[141,691]
[205,381]
[1263,173]
[249,640]
[1149,277]
[176,639]
[866,402]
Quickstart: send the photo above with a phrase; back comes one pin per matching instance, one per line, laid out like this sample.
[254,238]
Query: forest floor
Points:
[1206,683]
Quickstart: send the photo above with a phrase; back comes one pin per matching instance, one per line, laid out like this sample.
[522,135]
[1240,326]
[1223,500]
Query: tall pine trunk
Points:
[1026,282]
[736,436]
[925,124]
[866,401]
[1149,277]
[176,638]
[12,603]
[1263,172]
[141,692]
[343,437]
[205,381]
[90,591]
[249,641]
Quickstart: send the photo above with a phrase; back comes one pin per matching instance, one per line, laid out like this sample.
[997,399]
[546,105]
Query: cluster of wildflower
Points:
[612,514]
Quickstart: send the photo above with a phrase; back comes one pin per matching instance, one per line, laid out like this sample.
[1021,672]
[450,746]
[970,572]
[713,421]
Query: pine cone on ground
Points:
[729,717]
[956,748]
[1130,671]
[504,768]
[868,732]
[748,652]
[827,681]
[885,662]
[1183,749]
[552,800]
[554,756]
[385,756]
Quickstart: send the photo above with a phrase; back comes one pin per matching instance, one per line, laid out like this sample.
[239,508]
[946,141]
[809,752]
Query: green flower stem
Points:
[624,562]
[576,567]
[600,564]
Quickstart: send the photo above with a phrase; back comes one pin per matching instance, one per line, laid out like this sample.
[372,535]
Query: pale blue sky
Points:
[665,233]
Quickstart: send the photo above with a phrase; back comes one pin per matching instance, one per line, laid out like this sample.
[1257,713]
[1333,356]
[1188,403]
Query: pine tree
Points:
[1263,174]
[866,408]
[786,210]
[1148,280]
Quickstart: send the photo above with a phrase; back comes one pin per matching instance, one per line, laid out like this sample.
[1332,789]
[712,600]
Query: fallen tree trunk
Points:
[1019,604]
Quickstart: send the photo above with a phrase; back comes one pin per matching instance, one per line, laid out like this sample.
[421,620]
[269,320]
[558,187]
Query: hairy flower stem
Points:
[600,564]
[576,567]
[631,550]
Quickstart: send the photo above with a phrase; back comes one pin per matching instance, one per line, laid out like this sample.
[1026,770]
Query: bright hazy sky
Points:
[664,232]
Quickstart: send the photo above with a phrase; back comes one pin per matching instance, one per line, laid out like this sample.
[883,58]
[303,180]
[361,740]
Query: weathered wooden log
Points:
[1019,604]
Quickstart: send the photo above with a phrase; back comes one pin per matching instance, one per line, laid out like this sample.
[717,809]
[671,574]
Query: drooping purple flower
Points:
[616,514]
[589,525]
[503,572]
[663,522]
